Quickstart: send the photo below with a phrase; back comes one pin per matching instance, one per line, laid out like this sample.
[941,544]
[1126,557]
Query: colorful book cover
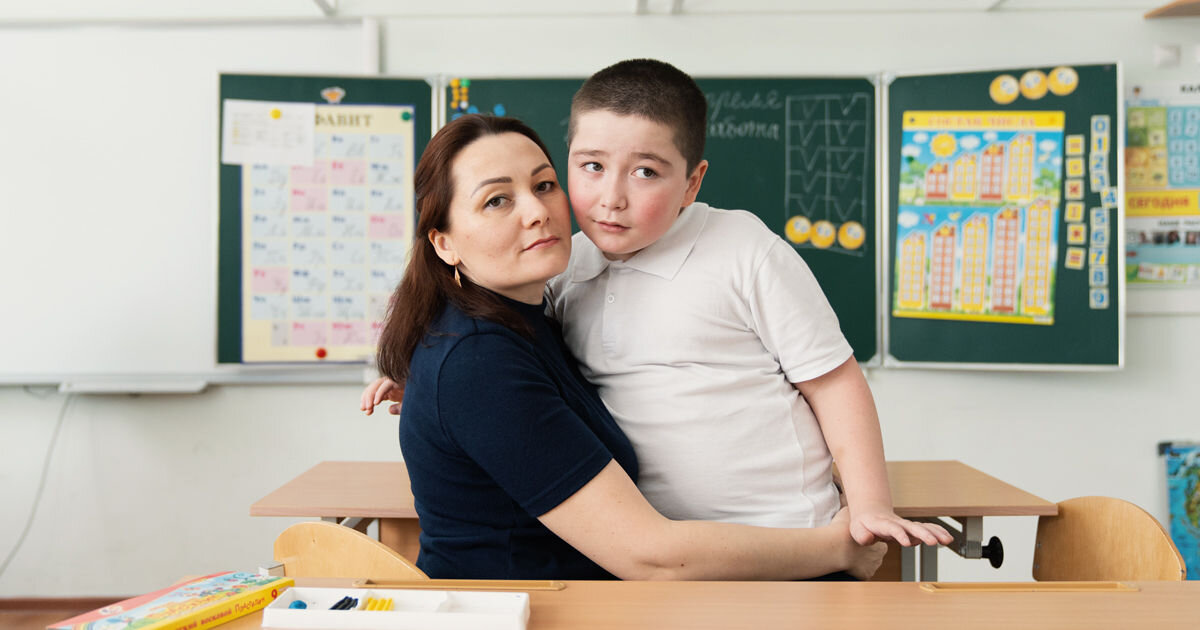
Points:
[200,603]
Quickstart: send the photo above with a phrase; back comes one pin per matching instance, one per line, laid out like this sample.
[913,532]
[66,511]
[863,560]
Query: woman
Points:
[517,468]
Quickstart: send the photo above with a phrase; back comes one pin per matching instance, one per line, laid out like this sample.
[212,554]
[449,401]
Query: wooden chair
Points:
[321,549]
[1103,539]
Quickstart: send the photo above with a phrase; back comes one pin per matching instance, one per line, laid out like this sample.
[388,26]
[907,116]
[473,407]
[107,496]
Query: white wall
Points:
[144,490]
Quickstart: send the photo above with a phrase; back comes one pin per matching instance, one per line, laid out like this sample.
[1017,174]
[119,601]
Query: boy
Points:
[708,337]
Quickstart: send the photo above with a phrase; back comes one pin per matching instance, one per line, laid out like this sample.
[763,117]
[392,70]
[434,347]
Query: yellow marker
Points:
[823,234]
[1063,80]
[275,113]
[1004,89]
[1033,84]
[387,604]
[798,229]
[851,235]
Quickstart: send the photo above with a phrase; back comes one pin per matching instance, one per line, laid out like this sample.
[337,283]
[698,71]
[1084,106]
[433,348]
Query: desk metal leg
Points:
[908,564]
[968,543]
[353,522]
[929,572]
[401,534]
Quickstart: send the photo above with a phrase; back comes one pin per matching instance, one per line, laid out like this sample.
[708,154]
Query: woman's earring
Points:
[457,278]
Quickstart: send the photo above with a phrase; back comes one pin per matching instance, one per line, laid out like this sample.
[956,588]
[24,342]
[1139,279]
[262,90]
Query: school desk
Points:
[843,605]
[354,493]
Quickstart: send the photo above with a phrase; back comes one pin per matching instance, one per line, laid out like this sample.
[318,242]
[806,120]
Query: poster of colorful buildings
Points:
[977,223]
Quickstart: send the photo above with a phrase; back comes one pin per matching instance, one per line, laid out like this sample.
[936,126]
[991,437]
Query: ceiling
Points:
[27,11]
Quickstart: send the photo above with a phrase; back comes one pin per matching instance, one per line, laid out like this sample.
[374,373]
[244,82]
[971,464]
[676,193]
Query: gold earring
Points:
[457,278]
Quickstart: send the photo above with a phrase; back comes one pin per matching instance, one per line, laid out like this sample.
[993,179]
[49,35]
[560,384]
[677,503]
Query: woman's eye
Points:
[593,167]
[644,172]
[546,186]
[495,202]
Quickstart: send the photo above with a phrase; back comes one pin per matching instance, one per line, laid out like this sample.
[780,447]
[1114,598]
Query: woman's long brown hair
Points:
[428,283]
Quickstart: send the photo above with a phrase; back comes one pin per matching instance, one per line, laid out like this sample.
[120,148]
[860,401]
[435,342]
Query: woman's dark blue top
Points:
[497,430]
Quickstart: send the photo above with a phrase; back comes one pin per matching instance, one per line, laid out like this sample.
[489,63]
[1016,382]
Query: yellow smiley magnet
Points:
[1004,89]
[1063,80]
[1033,84]
[798,229]
[851,235]
[823,234]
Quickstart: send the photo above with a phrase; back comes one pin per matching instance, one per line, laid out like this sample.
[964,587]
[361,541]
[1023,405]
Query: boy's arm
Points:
[382,389]
[842,403]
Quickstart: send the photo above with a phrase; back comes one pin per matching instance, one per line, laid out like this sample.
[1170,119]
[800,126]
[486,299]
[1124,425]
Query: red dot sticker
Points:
[321,353]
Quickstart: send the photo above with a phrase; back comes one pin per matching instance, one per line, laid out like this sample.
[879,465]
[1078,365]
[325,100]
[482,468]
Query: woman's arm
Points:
[609,521]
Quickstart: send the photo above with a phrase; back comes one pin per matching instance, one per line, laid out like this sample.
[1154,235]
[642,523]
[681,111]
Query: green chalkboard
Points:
[797,152]
[1003,220]
[417,93]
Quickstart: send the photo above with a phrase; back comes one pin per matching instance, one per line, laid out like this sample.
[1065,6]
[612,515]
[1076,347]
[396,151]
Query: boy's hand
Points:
[868,526]
[382,389]
[861,560]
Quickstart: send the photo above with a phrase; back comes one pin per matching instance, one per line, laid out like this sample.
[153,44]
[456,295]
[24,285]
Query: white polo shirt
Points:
[694,344]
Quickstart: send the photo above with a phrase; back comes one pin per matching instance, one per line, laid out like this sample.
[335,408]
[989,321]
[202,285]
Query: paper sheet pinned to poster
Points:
[264,132]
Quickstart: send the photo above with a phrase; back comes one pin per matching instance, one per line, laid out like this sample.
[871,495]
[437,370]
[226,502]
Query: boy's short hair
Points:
[651,89]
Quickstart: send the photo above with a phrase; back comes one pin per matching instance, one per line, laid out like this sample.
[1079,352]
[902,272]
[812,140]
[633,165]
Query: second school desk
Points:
[843,605]
[353,493]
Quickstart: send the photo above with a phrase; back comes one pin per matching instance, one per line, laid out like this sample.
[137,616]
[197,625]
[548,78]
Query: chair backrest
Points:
[322,549]
[1102,539]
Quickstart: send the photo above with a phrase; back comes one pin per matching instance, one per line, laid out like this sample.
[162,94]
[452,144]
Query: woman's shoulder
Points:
[454,331]
[453,320]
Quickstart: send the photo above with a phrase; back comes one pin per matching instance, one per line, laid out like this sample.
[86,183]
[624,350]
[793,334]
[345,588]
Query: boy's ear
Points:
[694,181]
[443,245]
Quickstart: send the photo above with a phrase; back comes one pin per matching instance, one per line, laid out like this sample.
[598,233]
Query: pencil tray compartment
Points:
[411,609]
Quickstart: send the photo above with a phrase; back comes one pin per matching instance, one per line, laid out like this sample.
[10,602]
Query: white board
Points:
[108,240]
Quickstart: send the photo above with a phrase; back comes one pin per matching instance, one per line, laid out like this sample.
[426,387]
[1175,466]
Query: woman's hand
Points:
[382,389]
[862,561]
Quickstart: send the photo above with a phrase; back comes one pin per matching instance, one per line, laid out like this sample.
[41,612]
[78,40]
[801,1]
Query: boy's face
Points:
[627,181]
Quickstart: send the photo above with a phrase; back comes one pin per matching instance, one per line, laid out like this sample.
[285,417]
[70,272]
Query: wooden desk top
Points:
[370,489]
[381,490]
[952,488]
[843,605]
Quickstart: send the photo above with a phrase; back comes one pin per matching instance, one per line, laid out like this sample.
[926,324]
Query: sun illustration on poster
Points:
[943,145]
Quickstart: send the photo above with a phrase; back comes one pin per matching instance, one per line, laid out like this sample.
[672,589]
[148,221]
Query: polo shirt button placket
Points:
[607,338]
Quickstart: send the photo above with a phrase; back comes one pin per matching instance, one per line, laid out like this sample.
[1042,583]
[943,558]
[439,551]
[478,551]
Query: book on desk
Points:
[202,602]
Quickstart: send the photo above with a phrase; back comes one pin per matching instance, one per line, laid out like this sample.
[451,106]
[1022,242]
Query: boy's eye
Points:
[644,172]
[592,167]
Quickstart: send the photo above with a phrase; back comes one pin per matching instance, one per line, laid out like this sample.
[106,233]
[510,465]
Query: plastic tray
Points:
[412,610]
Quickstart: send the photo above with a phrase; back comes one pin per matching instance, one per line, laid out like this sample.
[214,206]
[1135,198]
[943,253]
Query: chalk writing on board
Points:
[731,115]
[826,167]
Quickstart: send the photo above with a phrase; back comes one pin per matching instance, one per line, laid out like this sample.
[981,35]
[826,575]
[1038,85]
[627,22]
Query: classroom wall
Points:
[143,490]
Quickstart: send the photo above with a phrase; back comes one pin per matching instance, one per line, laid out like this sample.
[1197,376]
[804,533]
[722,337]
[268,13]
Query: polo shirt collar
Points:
[662,258]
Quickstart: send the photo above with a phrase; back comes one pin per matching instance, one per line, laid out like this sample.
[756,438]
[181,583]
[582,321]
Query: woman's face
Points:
[509,228]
